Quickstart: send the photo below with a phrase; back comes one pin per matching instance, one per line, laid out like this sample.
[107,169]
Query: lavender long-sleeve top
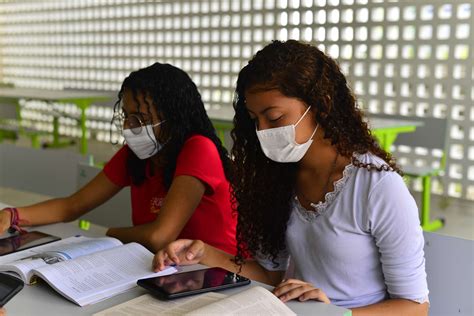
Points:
[363,245]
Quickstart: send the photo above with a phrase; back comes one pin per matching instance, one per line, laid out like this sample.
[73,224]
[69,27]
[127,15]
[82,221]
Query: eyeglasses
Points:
[135,122]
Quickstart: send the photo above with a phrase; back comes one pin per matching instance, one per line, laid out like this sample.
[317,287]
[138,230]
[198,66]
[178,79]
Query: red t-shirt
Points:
[213,221]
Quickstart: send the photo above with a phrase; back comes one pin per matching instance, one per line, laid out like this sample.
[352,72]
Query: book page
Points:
[40,249]
[84,247]
[23,262]
[254,301]
[22,268]
[148,305]
[94,277]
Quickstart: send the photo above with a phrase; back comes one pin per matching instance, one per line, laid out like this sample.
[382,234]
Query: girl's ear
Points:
[328,101]
[326,109]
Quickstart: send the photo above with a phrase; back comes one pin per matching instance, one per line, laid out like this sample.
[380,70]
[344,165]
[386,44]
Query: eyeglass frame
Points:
[119,120]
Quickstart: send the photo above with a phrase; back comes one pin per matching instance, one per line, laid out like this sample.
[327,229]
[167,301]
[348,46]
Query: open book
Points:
[84,270]
[254,301]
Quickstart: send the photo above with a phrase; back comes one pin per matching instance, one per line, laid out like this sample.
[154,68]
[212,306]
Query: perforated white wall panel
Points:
[402,57]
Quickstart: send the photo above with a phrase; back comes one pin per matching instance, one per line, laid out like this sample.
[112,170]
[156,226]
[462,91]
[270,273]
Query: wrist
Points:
[211,257]
[205,251]
[14,220]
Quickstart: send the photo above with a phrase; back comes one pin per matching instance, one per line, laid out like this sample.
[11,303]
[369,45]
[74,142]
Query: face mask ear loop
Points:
[304,114]
[159,123]
[314,131]
[151,138]
[155,142]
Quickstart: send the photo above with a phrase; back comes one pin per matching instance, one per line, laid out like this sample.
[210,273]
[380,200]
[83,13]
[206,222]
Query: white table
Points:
[40,299]
[81,98]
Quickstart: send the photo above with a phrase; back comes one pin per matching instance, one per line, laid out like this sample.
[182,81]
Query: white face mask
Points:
[279,144]
[144,145]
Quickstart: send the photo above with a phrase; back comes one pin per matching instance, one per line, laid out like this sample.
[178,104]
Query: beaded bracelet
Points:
[14,221]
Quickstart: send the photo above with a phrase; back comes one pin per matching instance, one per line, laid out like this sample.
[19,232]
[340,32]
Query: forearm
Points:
[147,235]
[251,269]
[96,192]
[393,307]
[47,212]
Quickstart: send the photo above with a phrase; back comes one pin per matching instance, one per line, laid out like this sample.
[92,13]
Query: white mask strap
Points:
[314,131]
[304,114]
[158,124]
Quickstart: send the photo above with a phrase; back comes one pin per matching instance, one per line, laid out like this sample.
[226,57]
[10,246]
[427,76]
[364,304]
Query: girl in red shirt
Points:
[173,161]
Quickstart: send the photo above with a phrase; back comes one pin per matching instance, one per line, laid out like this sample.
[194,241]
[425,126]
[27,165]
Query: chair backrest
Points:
[449,266]
[116,212]
[8,108]
[50,172]
[432,134]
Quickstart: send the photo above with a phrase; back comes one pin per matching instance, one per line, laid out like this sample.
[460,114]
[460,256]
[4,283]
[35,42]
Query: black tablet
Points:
[24,241]
[9,287]
[192,282]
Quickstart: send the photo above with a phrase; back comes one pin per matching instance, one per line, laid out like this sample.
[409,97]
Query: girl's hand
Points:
[182,251]
[296,289]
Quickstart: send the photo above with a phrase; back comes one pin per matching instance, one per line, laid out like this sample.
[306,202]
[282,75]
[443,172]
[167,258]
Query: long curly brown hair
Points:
[262,188]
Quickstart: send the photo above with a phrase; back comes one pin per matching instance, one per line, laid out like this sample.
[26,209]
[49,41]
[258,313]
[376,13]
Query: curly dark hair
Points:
[178,101]
[263,188]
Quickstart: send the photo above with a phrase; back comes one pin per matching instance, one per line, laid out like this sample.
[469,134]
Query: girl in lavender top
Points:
[322,208]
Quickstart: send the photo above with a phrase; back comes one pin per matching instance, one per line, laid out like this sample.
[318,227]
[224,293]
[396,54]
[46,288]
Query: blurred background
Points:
[405,60]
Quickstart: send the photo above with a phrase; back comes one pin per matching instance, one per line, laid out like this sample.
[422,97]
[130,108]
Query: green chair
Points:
[222,119]
[8,114]
[223,129]
[10,122]
[431,135]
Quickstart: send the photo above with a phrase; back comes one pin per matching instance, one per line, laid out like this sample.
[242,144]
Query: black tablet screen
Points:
[193,282]
[24,241]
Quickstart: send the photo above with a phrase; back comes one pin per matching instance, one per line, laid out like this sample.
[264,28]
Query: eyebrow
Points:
[265,110]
